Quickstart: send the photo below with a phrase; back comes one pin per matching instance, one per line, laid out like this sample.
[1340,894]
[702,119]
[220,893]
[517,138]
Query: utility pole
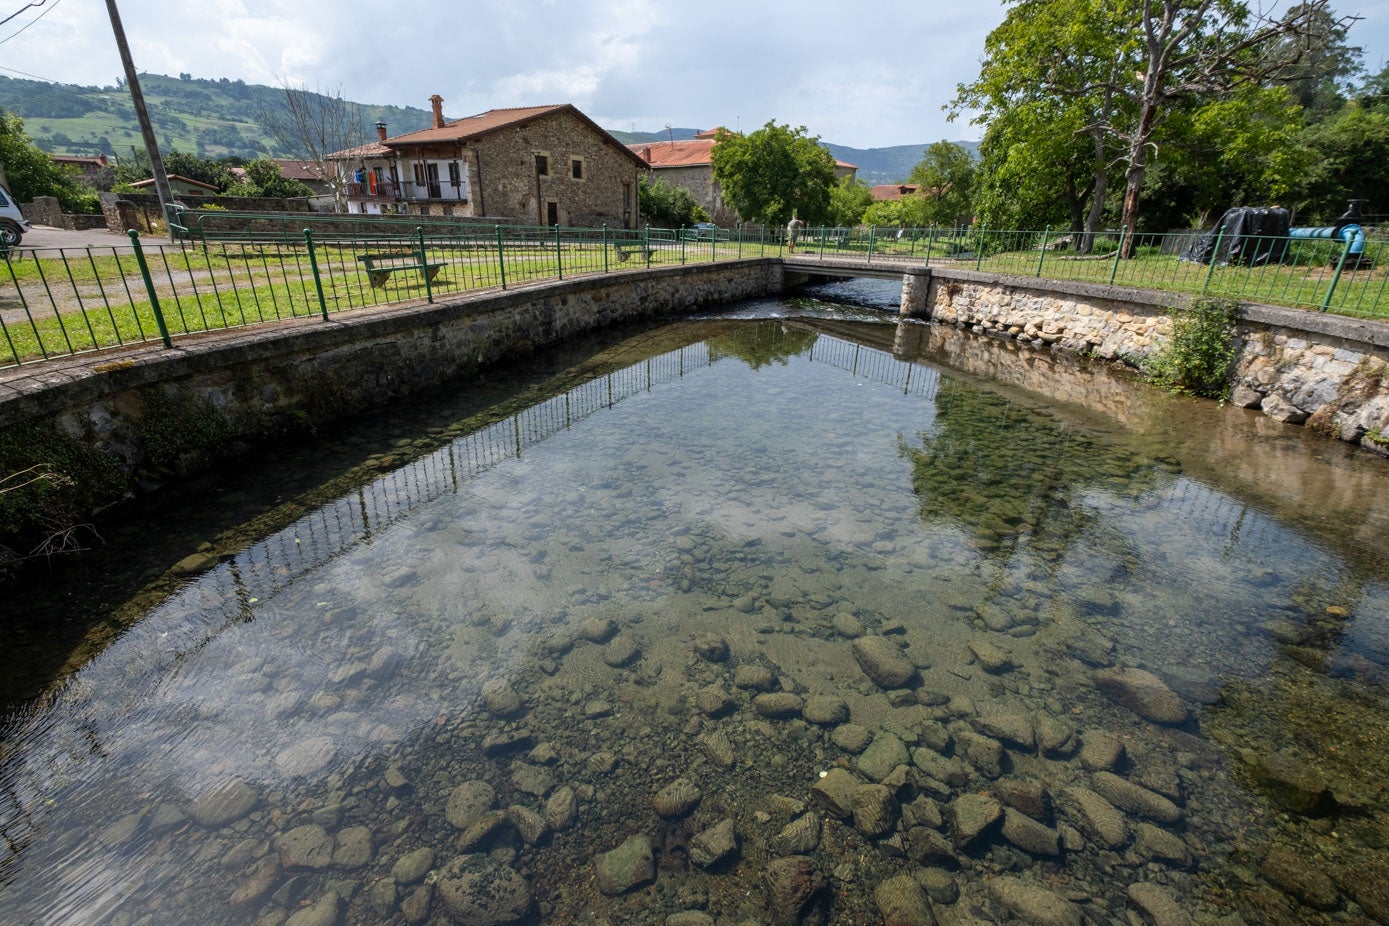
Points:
[161,179]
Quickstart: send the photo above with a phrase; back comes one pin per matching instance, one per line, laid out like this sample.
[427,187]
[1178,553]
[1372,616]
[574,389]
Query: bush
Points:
[1200,356]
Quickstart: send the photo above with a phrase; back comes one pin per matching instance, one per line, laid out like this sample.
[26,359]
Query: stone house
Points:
[538,165]
[688,163]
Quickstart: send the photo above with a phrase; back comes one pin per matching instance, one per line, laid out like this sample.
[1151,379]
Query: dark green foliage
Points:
[668,206]
[1201,354]
[774,173]
[32,173]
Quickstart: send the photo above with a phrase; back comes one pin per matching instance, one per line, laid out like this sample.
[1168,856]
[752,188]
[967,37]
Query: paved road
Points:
[46,236]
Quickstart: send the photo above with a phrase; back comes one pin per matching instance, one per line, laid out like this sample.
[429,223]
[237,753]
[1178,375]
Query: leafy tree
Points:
[667,205]
[1134,65]
[946,177]
[1320,75]
[31,172]
[1351,161]
[263,178]
[773,173]
[849,199]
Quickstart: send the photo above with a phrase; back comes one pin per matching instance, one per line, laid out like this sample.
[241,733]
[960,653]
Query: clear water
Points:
[779,479]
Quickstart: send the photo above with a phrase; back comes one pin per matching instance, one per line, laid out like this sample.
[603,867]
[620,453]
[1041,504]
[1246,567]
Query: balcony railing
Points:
[386,191]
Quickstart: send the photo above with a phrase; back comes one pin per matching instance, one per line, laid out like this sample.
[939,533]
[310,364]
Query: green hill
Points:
[217,118]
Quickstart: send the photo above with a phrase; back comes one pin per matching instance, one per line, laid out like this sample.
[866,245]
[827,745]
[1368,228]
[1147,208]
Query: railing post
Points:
[605,247]
[1336,278]
[1046,233]
[979,250]
[1215,256]
[559,254]
[501,256]
[1114,268]
[872,240]
[317,280]
[149,287]
[762,240]
[682,244]
[646,244]
[740,240]
[930,243]
[424,264]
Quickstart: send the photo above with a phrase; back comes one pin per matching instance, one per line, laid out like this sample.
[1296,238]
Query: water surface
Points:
[442,678]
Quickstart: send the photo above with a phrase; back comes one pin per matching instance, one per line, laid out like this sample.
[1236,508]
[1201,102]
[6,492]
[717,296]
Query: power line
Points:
[31,22]
[22,9]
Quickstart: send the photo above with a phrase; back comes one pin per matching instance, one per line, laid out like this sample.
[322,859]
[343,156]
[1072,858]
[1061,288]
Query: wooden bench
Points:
[379,267]
[626,249]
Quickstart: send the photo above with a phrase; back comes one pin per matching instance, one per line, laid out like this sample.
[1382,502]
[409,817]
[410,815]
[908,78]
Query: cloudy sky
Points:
[864,76]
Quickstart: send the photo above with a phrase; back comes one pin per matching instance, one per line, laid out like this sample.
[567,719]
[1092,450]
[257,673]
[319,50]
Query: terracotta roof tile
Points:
[891,192]
[473,126]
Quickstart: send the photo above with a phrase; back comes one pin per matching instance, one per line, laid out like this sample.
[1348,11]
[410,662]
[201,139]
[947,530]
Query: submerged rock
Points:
[883,661]
[903,902]
[796,892]
[1143,693]
[1034,905]
[972,817]
[1156,905]
[627,867]
[714,845]
[483,893]
[224,803]
[500,699]
[799,837]
[1293,874]
[468,803]
[676,799]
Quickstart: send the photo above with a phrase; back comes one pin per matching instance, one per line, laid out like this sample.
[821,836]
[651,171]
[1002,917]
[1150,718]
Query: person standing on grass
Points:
[793,231]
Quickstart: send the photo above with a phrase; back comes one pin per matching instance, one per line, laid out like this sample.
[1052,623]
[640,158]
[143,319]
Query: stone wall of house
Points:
[1327,371]
[699,180]
[606,194]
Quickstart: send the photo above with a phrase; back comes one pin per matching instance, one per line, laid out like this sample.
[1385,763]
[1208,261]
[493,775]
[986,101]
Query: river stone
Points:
[468,803]
[925,846]
[353,847]
[714,845]
[990,658]
[477,833]
[1280,409]
[500,699]
[307,846]
[882,661]
[1289,782]
[414,909]
[262,881]
[971,817]
[1158,845]
[780,705]
[1055,737]
[1026,795]
[1096,817]
[851,737]
[122,831]
[795,888]
[1135,798]
[225,803]
[884,754]
[1014,728]
[719,748]
[1368,885]
[621,651]
[1143,693]
[690,918]
[848,626]
[713,700]
[1156,905]
[535,780]
[1244,397]
[483,893]
[528,823]
[922,812]
[983,752]
[411,867]
[940,885]
[835,792]
[676,799]
[1034,905]
[324,912]
[561,808]
[799,837]
[1293,874]
[825,710]
[306,756]
[629,866]
[1029,835]
[597,629]
[875,810]
[903,902]
[711,647]
[752,677]
[1101,752]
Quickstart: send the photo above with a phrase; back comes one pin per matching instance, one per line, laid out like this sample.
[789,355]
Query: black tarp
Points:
[1247,236]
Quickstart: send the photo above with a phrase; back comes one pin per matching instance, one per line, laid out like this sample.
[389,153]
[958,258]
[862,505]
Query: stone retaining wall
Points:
[1298,366]
[153,412]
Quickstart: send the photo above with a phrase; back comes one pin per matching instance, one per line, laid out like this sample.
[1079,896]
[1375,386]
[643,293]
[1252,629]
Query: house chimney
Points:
[438,103]
[381,131]
[646,154]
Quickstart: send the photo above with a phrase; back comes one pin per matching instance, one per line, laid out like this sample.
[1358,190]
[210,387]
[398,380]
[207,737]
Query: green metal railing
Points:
[1308,273]
[229,271]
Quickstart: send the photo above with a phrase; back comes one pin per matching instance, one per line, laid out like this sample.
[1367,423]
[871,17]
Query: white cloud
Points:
[863,76]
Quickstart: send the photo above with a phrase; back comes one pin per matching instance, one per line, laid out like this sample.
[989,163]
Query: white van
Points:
[13,225]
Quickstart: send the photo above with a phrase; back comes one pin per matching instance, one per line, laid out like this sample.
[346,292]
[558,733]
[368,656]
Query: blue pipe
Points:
[1351,233]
